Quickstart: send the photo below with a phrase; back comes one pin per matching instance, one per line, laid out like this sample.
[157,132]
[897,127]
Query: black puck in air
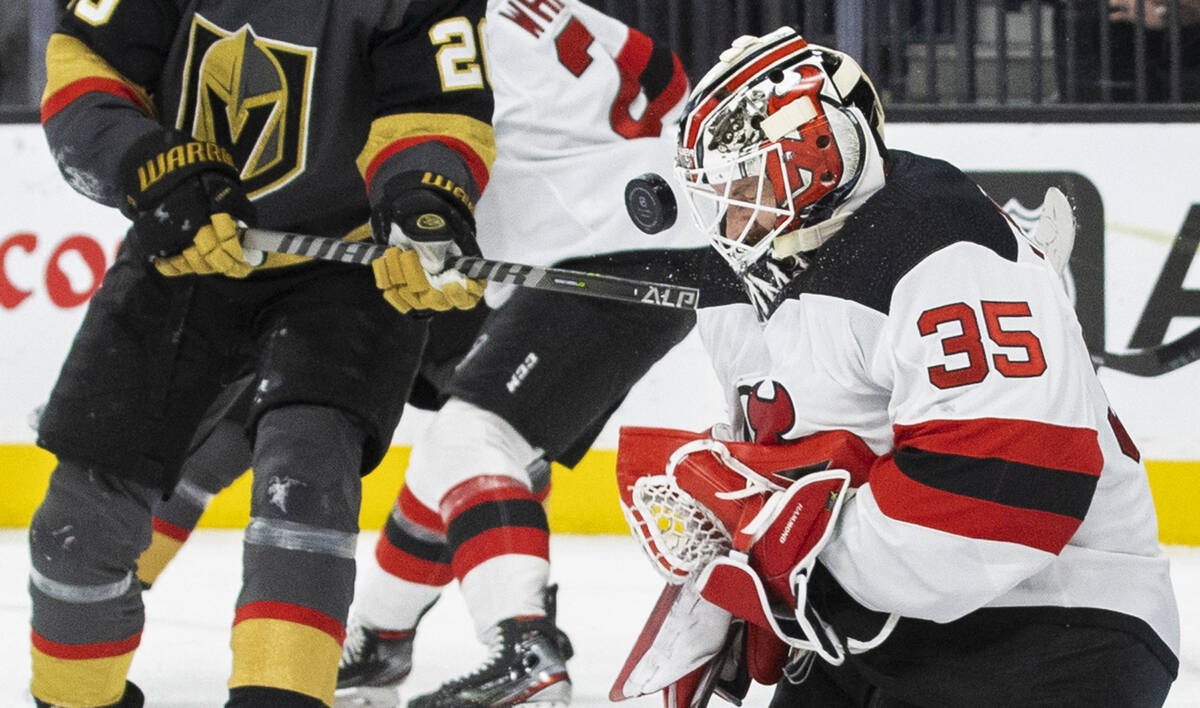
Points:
[650,203]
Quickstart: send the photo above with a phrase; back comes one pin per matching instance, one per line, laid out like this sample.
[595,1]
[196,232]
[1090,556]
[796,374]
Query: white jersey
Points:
[583,104]
[930,329]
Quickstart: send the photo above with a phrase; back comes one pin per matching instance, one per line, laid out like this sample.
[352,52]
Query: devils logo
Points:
[251,95]
[769,411]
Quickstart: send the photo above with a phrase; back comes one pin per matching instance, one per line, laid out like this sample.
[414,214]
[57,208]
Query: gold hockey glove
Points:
[405,285]
[184,197]
[216,249]
[431,225]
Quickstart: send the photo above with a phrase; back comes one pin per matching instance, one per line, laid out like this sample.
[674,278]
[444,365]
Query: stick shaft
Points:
[528,276]
[1154,361]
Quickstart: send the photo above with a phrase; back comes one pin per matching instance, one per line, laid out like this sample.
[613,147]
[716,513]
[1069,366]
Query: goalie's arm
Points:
[996,440]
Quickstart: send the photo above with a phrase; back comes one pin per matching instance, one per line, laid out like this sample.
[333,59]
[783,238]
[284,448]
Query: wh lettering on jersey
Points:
[532,15]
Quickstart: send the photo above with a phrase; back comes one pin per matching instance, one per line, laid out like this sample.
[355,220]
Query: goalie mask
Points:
[779,143]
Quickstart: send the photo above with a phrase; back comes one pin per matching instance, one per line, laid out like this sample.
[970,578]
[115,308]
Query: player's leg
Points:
[395,587]
[87,605]
[337,366]
[118,420]
[298,557]
[220,453]
[410,564]
[497,537]
[550,371]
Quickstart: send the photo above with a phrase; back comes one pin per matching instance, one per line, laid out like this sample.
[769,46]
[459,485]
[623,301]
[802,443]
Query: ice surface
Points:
[607,589]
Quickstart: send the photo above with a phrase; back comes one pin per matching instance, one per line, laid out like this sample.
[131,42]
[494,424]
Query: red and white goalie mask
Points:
[776,139]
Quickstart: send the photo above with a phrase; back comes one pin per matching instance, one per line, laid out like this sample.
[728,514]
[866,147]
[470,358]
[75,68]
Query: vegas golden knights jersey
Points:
[316,101]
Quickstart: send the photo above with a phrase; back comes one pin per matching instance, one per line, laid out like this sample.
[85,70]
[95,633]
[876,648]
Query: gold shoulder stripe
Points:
[73,69]
[472,139]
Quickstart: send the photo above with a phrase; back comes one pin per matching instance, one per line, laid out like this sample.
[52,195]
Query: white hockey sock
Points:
[503,587]
[383,601]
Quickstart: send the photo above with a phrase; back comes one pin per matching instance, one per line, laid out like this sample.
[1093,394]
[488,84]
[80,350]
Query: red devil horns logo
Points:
[769,412]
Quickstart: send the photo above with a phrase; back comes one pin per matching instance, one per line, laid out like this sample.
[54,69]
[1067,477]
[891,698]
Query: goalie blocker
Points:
[735,529]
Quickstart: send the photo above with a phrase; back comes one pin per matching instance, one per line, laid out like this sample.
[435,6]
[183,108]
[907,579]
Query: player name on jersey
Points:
[533,16]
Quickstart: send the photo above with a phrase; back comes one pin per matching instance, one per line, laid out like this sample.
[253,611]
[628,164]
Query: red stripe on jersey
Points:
[409,567]
[631,62]
[1123,438]
[1027,442]
[170,530]
[475,163]
[509,540]
[412,509]
[63,97]
[96,650]
[477,490]
[904,499]
[289,612]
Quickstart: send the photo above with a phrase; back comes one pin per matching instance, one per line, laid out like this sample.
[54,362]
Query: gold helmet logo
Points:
[250,94]
[242,87]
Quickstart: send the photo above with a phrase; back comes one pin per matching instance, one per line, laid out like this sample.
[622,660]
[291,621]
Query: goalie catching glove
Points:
[428,227]
[185,198]
[739,525]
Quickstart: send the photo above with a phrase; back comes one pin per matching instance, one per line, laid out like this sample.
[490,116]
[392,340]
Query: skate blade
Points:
[556,695]
[367,697]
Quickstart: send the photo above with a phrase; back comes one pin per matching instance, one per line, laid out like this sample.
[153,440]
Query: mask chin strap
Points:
[809,237]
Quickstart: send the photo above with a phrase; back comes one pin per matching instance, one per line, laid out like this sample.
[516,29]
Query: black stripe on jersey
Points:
[924,206]
[413,546]
[493,515]
[659,71]
[1001,481]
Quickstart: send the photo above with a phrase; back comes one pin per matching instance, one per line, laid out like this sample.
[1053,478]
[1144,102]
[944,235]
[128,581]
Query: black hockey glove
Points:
[427,226]
[185,198]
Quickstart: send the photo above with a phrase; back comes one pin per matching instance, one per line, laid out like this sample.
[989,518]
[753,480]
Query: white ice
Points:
[607,589]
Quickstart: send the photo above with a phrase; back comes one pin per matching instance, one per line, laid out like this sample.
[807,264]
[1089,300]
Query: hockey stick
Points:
[1154,361]
[539,277]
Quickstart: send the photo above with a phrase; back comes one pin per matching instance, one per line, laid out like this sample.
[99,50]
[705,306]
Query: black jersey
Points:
[316,100]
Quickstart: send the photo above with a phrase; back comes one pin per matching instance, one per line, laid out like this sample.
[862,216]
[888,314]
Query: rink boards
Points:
[1133,185]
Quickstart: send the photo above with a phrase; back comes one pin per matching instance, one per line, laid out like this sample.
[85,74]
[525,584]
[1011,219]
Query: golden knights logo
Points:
[252,95]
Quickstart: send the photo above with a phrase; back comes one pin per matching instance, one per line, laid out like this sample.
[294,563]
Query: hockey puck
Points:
[650,203]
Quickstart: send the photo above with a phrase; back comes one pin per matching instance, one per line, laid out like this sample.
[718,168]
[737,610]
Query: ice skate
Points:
[374,663]
[133,698]
[527,666]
